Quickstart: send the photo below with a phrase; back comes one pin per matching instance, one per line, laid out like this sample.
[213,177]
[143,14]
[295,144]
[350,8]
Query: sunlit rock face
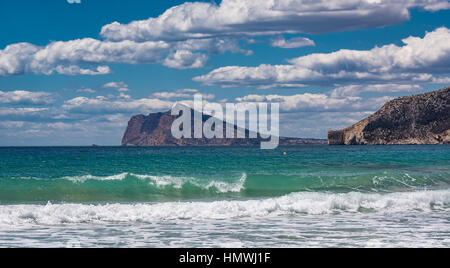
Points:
[419,119]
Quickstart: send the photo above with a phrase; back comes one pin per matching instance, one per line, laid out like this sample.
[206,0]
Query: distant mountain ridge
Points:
[155,130]
[418,119]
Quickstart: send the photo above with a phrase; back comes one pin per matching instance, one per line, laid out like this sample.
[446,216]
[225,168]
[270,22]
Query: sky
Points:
[72,72]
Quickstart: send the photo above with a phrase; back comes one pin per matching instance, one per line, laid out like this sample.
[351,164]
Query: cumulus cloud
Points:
[21,97]
[295,42]
[115,85]
[185,35]
[88,56]
[184,59]
[68,57]
[262,17]
[119,86]
[74,1]
[309,102]
[125,104]
[115,105]
[418,60]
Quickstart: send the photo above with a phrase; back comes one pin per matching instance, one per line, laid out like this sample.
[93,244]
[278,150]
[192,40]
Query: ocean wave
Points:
[124,187]
[169,181]
[292,204]
[130,187]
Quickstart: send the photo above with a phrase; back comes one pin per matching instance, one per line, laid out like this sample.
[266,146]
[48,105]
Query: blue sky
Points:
[69,75]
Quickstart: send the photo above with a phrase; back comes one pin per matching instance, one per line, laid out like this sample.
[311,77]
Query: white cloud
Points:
[119,86]
[121,104]
[170,95]
[309,102]
[21,97]
[182,93]
[181,36]
[14,57]
[355,90]
[115,85]
[184,59]
[262,17]
[295,42]
[74,1]
[21,111]
[417,61]
[218,45]
[88,56]
[68,57]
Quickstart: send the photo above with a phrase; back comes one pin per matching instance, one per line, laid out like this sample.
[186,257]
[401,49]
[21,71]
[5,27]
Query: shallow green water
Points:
[319,191]
[166,174]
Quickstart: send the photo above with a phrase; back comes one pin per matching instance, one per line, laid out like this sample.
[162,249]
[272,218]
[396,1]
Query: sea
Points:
[233,197]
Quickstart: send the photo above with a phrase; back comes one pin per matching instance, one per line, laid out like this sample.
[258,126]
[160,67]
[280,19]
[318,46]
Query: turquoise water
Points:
[241,197]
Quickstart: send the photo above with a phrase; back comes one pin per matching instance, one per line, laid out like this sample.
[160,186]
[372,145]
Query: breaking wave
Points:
[122,187]
[292,204]
[129,187]
[162,182]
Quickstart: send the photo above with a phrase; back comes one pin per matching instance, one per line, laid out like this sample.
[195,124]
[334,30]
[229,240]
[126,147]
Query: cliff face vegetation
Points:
[155,130]
[419,119]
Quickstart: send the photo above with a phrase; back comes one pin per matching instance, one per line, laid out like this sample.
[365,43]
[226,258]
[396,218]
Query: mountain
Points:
[419,119]
[155,130]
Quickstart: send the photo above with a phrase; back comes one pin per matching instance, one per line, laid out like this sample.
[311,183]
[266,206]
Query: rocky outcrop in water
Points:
[419,119]
[155,130]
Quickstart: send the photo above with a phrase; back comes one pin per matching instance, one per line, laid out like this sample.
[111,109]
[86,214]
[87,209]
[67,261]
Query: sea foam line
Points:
[297,203]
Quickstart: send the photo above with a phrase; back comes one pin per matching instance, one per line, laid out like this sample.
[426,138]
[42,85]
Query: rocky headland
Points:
[418,119]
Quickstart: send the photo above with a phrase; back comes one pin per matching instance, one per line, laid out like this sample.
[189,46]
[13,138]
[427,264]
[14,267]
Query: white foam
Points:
[179,182]
[298,203]
[170,181]
[224,187]
[82,179]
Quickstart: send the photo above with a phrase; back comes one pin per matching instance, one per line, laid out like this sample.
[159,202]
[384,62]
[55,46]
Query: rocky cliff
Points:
[419,119]
[155,130]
